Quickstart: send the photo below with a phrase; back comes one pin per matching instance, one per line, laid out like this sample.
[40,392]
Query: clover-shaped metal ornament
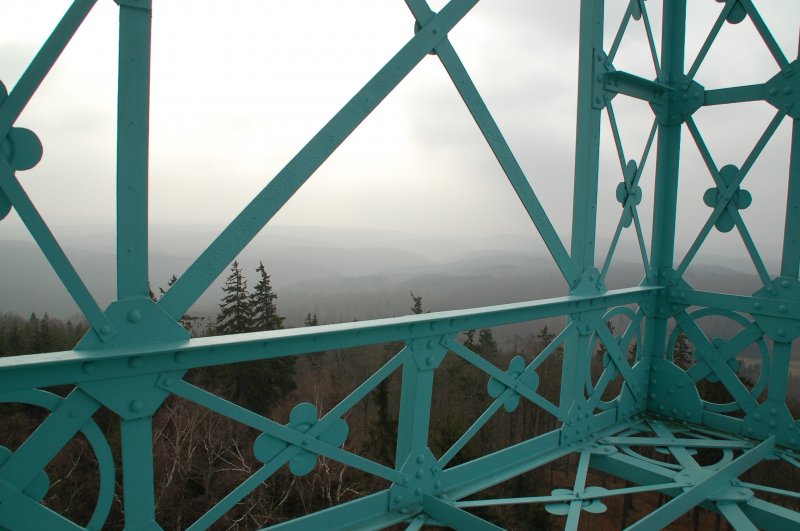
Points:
[516,371]
[628,194]
[741,199]
[21,149]
[302,418]
[590,503]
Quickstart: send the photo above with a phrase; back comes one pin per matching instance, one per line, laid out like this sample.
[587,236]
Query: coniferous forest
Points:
[200,456]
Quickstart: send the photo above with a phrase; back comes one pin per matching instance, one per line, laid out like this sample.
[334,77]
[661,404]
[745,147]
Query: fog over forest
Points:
[339,274]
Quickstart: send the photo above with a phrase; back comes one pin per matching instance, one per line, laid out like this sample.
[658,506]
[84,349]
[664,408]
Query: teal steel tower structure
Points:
[136,353]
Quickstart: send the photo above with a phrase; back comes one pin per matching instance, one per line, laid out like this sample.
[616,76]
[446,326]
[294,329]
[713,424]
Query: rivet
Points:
[661,408]
[421,458]
[168,382]
[398,498]
[305,442]
[773,411]
[429,361]
[785,284]
[792,441]
[72,413]
[771,291]
[135,362]
[757,416]
[787,90]
[437,484]
[418,491]
[105,329]
[404,510]
[136,405]
[749,430]
[180,357]
[782,308]
[419,474]
[685,97]
[134,316]
[772,424]
[781,332]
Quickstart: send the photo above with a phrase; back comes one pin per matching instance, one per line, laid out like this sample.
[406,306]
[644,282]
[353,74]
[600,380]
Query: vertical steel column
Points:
[587,145]
[137,474]
[415,398]
[132,147]
[584,210]
[790,264]
[667,168]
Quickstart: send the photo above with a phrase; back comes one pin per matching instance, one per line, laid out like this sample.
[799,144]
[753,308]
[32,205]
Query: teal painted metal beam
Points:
[54,253]
[790,260]
[60,368]
[672,510]
[667,170]
[133,128]
[280,189]
[44,60]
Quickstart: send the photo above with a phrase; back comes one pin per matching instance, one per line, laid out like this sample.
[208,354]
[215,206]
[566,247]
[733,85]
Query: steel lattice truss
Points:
[136,354]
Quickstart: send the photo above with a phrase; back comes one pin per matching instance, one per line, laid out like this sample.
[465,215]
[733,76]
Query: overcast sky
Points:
[236,92]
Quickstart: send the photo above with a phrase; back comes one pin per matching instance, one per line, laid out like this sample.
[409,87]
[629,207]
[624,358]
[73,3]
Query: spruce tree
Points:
[416,308]
[682,354]
[265,312]
[236,310]
[545,337]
